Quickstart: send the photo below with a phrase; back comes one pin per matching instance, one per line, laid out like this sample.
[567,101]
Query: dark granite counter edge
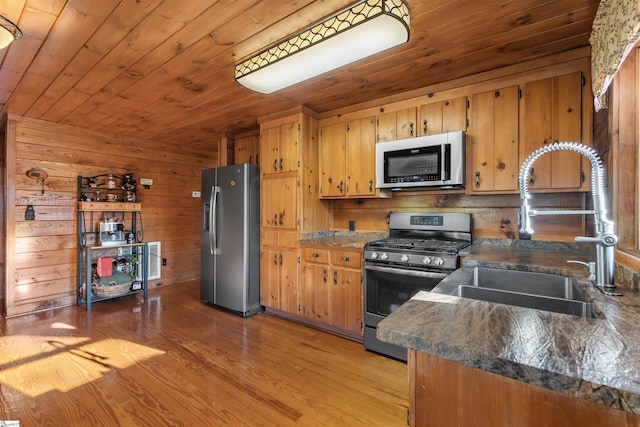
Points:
[598,386]
[572,385]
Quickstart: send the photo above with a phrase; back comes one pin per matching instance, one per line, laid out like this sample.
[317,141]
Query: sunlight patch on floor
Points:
[63,363]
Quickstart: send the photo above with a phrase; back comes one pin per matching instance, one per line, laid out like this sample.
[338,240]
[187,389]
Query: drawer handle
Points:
[315,255]
[335,277]
[324,275]
[345,258]
[275,259]
[280,220]
[281,259]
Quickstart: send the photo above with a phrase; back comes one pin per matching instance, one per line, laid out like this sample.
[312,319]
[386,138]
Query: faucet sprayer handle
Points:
[604,239]
[524,219]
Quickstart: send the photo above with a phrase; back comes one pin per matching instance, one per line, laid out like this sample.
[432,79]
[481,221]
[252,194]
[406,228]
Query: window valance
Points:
[615,31]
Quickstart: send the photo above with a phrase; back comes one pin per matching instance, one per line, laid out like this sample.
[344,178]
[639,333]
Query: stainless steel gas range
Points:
[421,250]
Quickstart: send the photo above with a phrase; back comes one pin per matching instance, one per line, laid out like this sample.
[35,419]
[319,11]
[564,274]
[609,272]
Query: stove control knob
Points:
[384,256]
[426,260]
[438,261]
[404,258]
[374,255]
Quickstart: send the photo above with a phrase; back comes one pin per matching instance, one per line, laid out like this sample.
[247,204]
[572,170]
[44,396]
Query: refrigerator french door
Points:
[230,238]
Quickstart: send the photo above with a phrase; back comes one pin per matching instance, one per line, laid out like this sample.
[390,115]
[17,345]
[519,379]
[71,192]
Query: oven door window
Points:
[388,288]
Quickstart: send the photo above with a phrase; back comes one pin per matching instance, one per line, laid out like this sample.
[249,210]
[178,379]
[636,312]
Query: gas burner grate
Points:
[419,244]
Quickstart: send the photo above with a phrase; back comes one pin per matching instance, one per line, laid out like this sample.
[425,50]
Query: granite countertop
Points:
[594,359]
[347,239]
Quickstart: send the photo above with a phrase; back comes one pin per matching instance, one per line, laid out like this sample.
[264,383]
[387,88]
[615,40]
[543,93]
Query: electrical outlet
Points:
[195,194]
[146,181]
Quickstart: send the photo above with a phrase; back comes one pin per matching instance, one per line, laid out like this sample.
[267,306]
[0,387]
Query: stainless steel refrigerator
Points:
[230,238]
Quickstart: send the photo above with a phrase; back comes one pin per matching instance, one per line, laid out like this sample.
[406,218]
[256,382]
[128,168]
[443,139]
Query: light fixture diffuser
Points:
[8,32]
[367,28]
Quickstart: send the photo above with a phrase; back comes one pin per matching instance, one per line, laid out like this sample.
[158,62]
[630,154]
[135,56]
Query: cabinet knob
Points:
[275,165]
[424,127]
[275,259]
[341,186]
[280,219]
[257,160]
[370,186]
[345,258]
[280,258]
[335,277]
[324,275]
[315,255]
[280,163]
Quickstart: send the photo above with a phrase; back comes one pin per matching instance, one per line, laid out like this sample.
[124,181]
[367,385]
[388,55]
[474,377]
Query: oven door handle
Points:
[429,274]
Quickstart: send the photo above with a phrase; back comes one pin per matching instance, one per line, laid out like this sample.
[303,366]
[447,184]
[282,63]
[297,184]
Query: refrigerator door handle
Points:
[213,235]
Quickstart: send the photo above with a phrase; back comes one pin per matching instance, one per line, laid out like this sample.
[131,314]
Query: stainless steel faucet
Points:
[604,239]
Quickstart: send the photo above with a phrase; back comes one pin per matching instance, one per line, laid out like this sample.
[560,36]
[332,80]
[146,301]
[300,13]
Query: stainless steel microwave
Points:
[426,161]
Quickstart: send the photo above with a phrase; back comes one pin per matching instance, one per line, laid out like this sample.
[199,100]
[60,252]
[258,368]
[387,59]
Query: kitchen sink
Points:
[541,291]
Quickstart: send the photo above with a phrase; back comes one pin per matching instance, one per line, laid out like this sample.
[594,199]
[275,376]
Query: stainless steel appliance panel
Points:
[231,244]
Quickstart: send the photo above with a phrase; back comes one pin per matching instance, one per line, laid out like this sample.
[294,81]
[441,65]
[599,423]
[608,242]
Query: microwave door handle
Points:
[446,164]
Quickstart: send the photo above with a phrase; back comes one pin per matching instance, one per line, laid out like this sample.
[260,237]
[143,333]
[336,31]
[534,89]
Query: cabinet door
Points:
[270,201]
[312,276]
[454,114]
[270,150]
[288,147]
[287,210]
[495,141]
[269,278]
[430,119]
[244,150]
[346,299]
[360,161]
[332,160]
[552,112]
[288,264]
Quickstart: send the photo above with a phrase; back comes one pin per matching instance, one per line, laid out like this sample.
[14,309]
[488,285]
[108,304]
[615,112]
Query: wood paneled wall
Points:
[41,267]
[493,215]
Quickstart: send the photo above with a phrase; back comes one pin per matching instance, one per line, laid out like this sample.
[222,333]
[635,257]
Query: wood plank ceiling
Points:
[163,69]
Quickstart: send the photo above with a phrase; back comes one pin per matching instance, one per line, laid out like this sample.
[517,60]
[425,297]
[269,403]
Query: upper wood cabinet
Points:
[347,159]
[246,149]
[494,141]
[552,112]
[443,116]
[279,148]
[400,124]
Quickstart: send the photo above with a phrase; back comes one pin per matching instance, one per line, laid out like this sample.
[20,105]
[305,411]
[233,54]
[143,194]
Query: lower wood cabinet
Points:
[331,286]
[446,393]
[279,279]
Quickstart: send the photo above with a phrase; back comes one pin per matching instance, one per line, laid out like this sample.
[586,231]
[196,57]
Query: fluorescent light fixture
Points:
[8,32]
[367,28]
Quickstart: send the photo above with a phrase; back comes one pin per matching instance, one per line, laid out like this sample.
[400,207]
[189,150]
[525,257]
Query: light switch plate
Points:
[146,181]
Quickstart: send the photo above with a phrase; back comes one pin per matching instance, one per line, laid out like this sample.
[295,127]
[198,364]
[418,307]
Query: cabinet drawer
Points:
[316,255]
[351,258]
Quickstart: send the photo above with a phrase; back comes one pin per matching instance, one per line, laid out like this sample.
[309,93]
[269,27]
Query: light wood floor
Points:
[174,361]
